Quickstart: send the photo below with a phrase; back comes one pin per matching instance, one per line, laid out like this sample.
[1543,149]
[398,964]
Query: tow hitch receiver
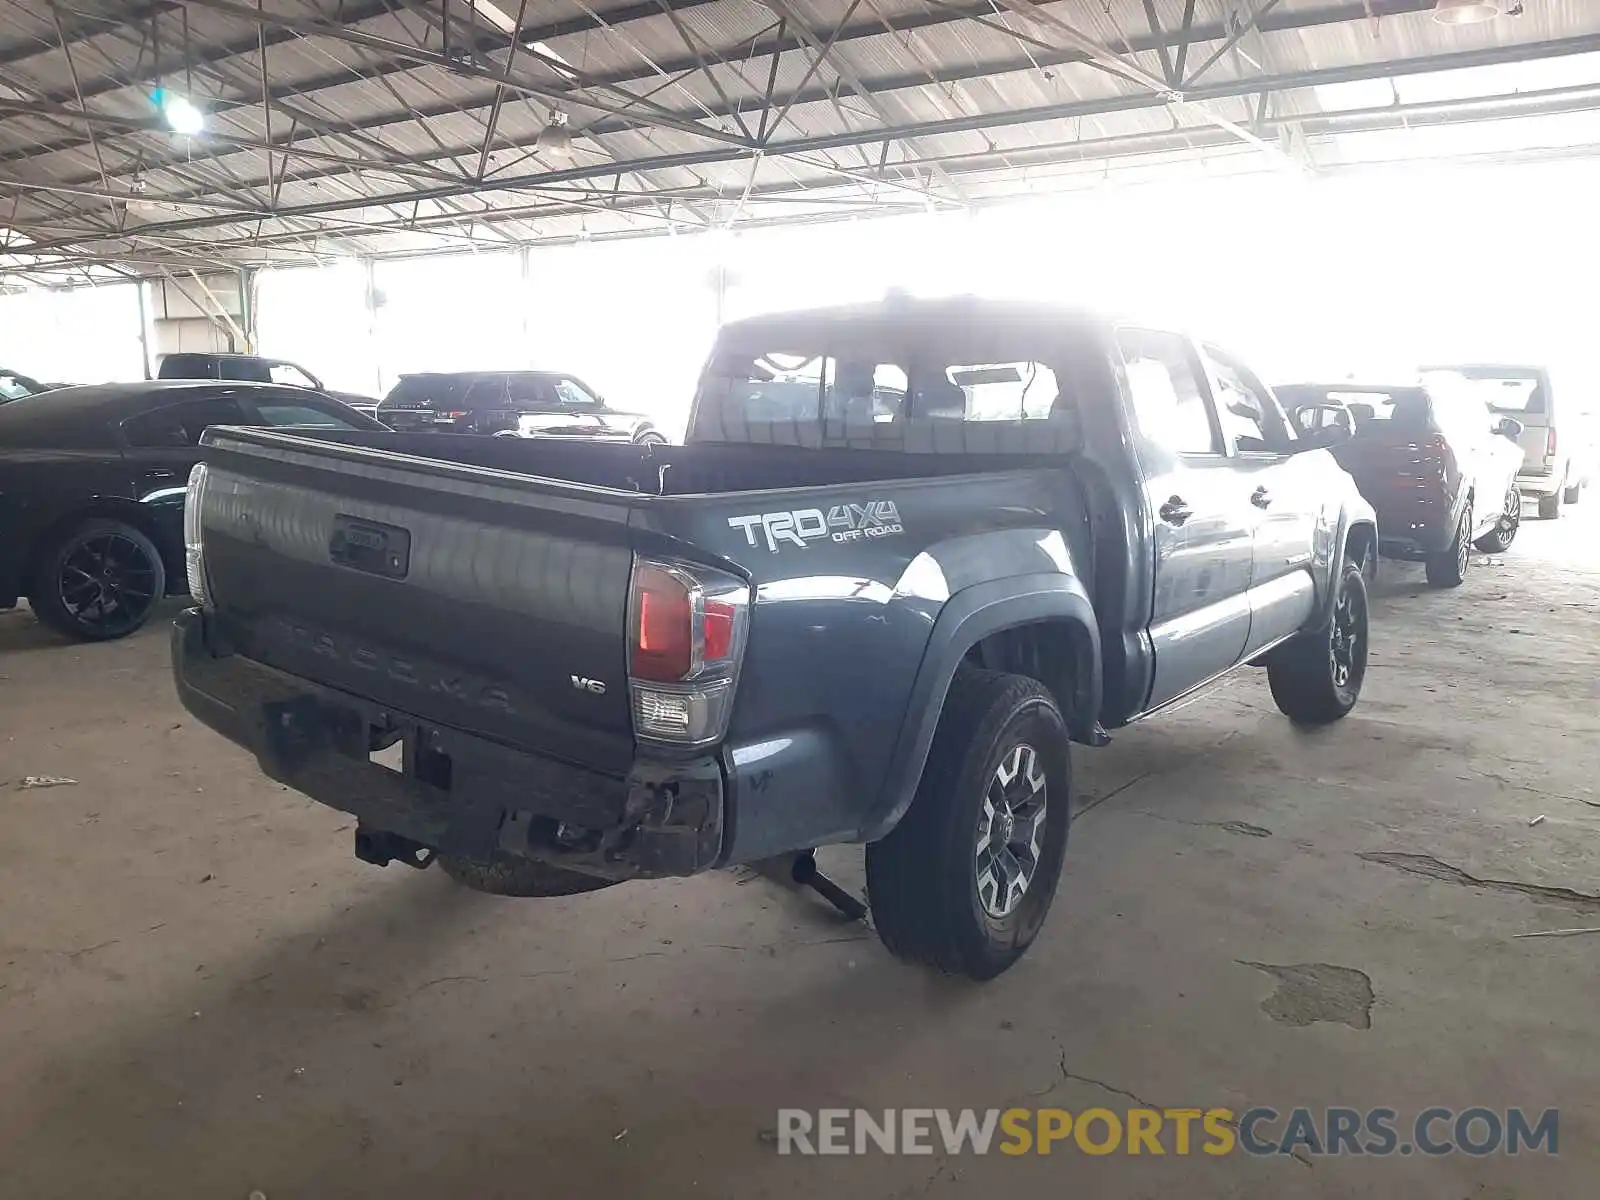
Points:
[380,849]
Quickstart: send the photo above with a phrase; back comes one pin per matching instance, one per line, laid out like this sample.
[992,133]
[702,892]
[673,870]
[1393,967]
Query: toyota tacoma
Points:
[908,554]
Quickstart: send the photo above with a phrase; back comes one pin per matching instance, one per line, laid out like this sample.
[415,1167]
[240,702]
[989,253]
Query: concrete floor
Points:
[203,994]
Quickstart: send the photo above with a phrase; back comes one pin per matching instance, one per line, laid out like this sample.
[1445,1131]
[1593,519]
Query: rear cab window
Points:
[950,391]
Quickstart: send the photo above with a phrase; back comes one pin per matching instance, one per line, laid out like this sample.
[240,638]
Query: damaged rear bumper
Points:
[456,794]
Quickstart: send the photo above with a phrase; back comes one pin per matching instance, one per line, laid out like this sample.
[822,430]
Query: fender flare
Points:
[1347,525]
[968,617]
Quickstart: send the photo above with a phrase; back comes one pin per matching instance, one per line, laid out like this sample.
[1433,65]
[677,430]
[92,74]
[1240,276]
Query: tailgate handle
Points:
[368,546]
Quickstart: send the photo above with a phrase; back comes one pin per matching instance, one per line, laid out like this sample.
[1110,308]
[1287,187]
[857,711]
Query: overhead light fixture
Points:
[1465,12]
[181,114]
[555,139]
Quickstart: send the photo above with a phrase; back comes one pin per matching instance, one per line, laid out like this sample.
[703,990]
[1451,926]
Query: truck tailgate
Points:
[463,596]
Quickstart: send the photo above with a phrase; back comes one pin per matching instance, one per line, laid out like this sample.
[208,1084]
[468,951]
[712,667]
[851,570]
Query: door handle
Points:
[1175,511]
[1261,497]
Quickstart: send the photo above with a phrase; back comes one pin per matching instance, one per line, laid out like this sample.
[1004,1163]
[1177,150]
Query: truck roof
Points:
[912,314]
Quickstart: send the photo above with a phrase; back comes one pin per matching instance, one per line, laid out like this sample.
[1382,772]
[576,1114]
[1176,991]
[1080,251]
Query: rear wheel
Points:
[1316,678]
[1449,567]
[1550,506]
[98,581]
[1572,494]
[1505,529]
[964,882]
[508,876]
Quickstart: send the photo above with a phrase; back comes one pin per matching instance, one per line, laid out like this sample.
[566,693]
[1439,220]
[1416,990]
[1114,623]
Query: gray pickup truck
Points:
[908,553]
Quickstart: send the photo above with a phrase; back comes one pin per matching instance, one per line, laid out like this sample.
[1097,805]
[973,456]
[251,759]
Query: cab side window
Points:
[1251,421]
[1167,391]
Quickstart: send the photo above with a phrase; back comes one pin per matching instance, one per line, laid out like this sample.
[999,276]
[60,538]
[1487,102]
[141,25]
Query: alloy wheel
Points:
[1010,833]
[1344,652]
[1510,517]
[107,583]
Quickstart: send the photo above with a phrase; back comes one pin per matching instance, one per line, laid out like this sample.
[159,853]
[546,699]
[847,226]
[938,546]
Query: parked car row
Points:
[1443,461]
[906,555]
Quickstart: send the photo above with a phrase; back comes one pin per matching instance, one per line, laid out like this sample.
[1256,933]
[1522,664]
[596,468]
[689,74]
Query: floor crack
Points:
[1432,868]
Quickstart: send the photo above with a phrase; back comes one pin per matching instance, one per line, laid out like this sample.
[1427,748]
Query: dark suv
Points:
[510,404]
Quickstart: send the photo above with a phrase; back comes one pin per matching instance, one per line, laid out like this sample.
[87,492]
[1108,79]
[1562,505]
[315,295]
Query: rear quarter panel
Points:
[842,620]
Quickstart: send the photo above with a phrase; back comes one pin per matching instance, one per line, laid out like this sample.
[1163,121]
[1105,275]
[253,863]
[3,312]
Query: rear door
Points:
[1285,511]
[1202,522]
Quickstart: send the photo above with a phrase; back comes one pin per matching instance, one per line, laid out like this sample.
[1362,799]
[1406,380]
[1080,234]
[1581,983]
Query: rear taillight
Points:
[1436,452]
[194,557]
[1550,442]
[686,627]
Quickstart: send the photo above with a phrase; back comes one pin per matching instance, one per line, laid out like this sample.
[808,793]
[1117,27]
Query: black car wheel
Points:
[1550,507]
[1505,529]
[99,581]
[1449,567]
[649,438]
[964,882]
[1316,677]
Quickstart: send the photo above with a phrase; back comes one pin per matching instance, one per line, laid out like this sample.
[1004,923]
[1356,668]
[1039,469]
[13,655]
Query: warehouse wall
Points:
[208,312]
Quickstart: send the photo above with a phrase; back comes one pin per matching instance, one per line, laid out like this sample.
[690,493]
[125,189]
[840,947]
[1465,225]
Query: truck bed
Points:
[678,470]
[512,564]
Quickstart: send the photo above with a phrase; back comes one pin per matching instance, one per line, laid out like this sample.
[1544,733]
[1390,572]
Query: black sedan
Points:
[92,481]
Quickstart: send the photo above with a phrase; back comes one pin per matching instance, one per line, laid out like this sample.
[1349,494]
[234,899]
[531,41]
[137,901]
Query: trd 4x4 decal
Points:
[802,526]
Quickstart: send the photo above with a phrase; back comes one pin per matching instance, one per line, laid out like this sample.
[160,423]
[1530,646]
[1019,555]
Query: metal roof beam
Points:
[788,42]
[634,203]
[1231,89]
[551,92]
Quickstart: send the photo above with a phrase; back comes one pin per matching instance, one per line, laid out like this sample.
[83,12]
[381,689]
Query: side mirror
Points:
[1508,427]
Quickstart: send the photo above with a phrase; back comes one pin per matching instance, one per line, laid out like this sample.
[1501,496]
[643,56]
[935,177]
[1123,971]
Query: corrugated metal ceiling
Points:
[386,127]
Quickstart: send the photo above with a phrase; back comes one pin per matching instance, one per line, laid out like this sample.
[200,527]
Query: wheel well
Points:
[1361,541]
[128,512]
[1058,653]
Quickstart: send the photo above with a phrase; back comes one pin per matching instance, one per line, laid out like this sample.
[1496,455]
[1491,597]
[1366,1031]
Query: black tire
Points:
[1304,673]
[508,876]
[1499,538]
[1449,567]
[1549,507]
[97,603]
[923,879]
[1572,494]
[650,438]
